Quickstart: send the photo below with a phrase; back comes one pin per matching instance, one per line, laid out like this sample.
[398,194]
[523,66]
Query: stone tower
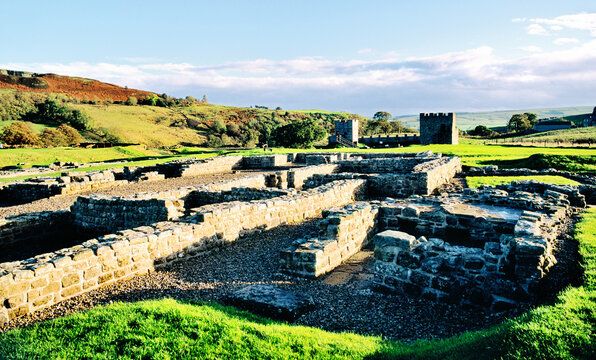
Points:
[347,129]
[438,128]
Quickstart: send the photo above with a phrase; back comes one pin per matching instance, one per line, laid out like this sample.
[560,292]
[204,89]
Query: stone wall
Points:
[231,219]
[265,161]
[32,284]
[297,177]
[343,232]
[21,228]
[100,214]
[505,253]
[67,184]
[205,197]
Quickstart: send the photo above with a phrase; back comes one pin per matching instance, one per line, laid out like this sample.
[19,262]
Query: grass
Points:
[564,136]
[48,156]
[477,181]
[170,329]
[150,125]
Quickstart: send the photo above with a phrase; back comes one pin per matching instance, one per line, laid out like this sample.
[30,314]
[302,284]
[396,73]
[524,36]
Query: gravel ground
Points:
[64,202]
[344,301]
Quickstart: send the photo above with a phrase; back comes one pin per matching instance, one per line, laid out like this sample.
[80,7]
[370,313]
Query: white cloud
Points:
[565,41]
[556,27]
[531,48]
[582,21]
[535,29]
[365,51]
[456,80]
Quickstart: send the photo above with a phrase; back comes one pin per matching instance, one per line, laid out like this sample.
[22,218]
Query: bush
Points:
[71,135]
[52,137]
[132,101]
[18,133]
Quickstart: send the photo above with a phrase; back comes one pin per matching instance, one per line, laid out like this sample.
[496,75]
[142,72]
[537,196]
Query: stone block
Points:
[398,239]
[271,301]
[71,279]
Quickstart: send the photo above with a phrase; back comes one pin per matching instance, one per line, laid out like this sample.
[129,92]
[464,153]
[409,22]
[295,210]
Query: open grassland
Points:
[563,137]
[35,156]
[469,120]
[477,181]
[576,160]
[150,125]
[169,329]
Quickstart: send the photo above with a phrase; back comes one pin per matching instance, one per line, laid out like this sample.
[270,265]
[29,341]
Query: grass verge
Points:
[477,181]
[169,329]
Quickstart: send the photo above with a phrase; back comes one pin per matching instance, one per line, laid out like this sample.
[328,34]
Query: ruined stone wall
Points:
[104,214]
[343,232]
[297,177]
[318,159]
[21,228]
[499,266]
[378,166]
[35,283]
[69,183]
[265,161]
[196,167]
[231,219]
[205,197]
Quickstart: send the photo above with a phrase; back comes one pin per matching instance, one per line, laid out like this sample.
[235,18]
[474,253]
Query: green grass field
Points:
[477,181]
[564,136]
[169,329]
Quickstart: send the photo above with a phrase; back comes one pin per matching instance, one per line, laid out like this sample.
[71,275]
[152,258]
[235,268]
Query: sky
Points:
[404,57]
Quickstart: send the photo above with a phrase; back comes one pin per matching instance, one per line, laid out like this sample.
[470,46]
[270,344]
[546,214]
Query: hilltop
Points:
[74,87]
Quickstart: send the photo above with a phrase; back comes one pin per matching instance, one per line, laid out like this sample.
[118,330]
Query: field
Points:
[477,181]
[469,120]
[169,329]
[563,137]
[150,125]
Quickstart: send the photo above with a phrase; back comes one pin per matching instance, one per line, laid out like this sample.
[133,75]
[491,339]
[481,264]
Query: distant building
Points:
[591,119]
[548,125]
[438,129]
[345,133]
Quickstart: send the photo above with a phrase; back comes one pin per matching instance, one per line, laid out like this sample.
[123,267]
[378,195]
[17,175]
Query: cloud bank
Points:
[475,79]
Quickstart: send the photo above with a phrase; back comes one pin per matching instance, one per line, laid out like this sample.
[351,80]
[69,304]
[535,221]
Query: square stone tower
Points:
[438,128]
[348,129]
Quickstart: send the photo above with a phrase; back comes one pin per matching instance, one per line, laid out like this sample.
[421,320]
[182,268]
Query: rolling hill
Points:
[492,119]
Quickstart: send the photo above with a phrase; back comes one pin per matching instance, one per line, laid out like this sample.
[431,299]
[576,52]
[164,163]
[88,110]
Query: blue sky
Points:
[362,56]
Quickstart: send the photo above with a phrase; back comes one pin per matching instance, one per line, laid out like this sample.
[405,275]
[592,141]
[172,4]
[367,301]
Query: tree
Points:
[299,134]
[519,122]
[204,99]
[132,101]
[532,118]
[382,116]
[18,133]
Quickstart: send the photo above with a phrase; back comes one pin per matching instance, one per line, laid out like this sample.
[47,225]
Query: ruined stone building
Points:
[438,128]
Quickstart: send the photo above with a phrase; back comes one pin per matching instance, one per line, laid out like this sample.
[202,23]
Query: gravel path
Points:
[344,301]
[64,202]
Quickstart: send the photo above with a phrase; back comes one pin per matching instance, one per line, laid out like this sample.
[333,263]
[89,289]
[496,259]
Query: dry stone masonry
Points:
[486,248]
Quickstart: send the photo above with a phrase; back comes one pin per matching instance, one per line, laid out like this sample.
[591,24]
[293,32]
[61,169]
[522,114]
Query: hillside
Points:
[155,120]
[74,87]
[492,119]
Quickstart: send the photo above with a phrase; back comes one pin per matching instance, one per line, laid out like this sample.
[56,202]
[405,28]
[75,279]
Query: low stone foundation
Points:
[35,283]
[495,256]
[343,232]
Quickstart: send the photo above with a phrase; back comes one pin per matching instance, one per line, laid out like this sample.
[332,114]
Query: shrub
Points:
[18,133]
[52,137]
[132,101]
[71,135]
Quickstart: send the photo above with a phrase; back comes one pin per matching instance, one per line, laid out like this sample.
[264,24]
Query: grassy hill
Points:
[492,119]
